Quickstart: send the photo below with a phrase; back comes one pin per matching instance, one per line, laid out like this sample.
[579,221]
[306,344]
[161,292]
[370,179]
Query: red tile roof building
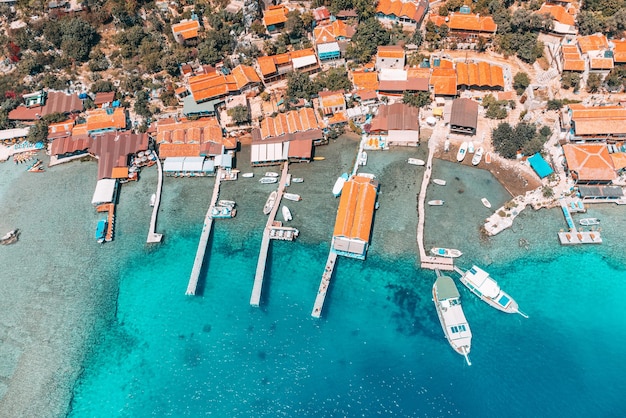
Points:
[187,138]
[481,75]
[571,59]
[467,27]
[289,123]
[185,30]
[332,102]
[598,123]
[405,12]
[216,85]
[113,149]
[589,163]
[50,102]
[276,67]
[275,17]
[443,81]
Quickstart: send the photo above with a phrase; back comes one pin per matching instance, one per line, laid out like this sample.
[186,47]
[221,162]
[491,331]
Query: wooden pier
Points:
[153,237]
[110,208]
[255,298]
[321,293]
[204,239]
[574,236]
[426,261]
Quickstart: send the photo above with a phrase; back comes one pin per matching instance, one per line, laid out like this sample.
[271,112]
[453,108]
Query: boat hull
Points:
[416,161]
[435,202]
[460,155]
[269,204]
[464,349]
[486,202]
[510,307]
[446,252]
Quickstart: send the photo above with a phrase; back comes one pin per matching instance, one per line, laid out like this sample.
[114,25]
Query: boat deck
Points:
[323,289]
[580,237]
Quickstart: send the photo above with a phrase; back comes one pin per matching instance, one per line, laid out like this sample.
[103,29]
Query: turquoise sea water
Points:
[378,348]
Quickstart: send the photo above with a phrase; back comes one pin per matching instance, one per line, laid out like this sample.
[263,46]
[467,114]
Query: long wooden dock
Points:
[110,209]
[204,239]
[323,289]
[152,234]
[257,287]
[426,261]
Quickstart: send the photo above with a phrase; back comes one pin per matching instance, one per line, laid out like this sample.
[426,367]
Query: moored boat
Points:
[268,180]
[223,212]
[101,230]
[470,147]
[446,252]
[446,145]
[226,203]
[435,202]
[271,174]
[448,305]
[460,155]
[589,221]
[486,202]
[319,158]
[416,161]
[478,156]
[269,204]
[10,237]
[363,158]
[439,182]
[488,158]
[480,283]
[247,175]
[292,196]
[286,213]
[338,187]
[297,180]
[153,199]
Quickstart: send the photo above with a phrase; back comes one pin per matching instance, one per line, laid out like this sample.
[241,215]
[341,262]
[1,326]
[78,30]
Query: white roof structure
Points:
[208,166]
[305,61]
[392,74]
[14,133]
[105,191]
[193,164]
[483,282]
[224,160]
[326,48]
[277,151]
[173,164]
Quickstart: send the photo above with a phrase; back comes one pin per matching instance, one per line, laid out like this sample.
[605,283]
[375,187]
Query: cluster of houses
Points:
[590,54]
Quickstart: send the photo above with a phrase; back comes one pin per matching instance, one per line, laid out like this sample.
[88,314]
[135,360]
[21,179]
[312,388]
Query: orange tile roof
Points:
[98,119]
[367,80]
[407,9]
[54,129]
[215,84]
[480,74]
[323,34]
[187,29]
[291,122]
[619,160]
[390,51]
[300,53]
[266,65]
[590,161]
[337,118]
[605,120]
[444,81]
[275,15]
[619,51]
[244,75]
[469,22]
[332,98]
[572,60]
[356,209]
[446,63]
[79,130]
[601,63]
[172,133]
[558,13]
[462,74]
[594,42]
[341,30]
[332,32]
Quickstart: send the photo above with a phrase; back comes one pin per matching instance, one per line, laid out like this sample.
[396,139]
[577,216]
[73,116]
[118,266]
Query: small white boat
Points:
[223,212]
[589,221]
[460,155]
[271,174]
[269,204]
[455,327]
[482,285]
[12,236]
[247,175]
[446,145]
[440,182]
[363,158]
[227,203]
[435,202]
[297,180]
[470,147]
[292,196]
[416,161]
[446,252]
[338,187]
[268,180]
[286,213]
[478,156]
[486,202]
[153,199]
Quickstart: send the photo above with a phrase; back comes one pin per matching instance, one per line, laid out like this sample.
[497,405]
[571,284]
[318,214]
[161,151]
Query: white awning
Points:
[327,48]
[105,191]
[173,164]
[305,61]
[391,74]
[193,164]
[14,133]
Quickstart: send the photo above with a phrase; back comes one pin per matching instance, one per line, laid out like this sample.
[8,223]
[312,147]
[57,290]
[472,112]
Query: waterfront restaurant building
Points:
[353,224]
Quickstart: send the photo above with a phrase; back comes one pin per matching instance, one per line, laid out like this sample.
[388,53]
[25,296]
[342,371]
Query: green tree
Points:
[334,79]
[520,82]
[77,39]
[419,99]
[142,107]
[38,132]
[239,114]
[570,79]
[594,82]
[103,86]
[503,139]
[368,36]
[589,22]
[300,86]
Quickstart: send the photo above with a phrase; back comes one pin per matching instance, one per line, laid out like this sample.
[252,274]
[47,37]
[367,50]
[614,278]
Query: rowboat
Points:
[271,174]
[363,158]
[416,161]
[470,147]
[319,158]
[460,155]
[446,252]
[486,202]
[478,156]
[153,199]
[268,180]
[227,203]
[440,182]
[286,214]
[297,180]
[435,202]
[247,175]
[292,196]
[488,158]
[269,204]
[589,221]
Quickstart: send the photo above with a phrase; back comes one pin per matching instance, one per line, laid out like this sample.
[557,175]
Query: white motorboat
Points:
[227,203]
[439,182]
[486,202]
[269,204]
[470,147]
[268,180]
[223,212]
[478,156]
[292,196]
[446,145]
[153,199]
[338,187]
[271,174]
[247,175]
[363,158]
[12,236]
[455,327]
[286,213]
[589,221]
[482,285]
[416,161]
[460,155]
[297,180]
[446,252]
[435,202]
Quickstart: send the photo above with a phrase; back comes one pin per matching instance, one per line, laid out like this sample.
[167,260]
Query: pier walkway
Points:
[255,298]
[152,235]
[204,239]
[110,209]
[428,262]
[321,293]
[575,237]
